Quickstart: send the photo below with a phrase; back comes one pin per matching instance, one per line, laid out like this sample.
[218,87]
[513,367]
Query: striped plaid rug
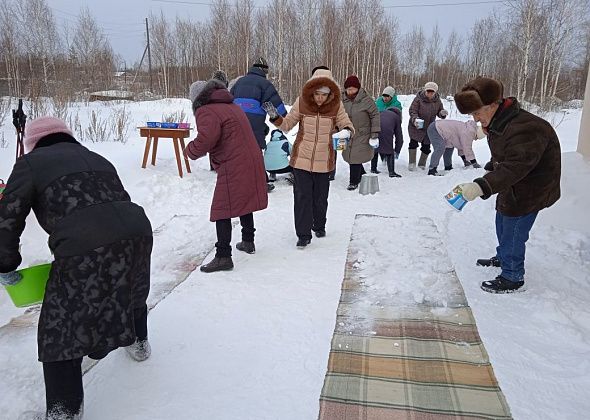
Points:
[405,345]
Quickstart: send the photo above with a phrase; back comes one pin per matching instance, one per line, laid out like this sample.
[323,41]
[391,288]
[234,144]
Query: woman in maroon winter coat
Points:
[225,133]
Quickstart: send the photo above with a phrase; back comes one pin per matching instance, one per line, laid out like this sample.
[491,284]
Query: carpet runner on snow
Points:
[405,344]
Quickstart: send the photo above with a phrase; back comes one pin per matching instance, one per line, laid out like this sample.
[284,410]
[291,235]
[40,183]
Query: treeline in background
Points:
[540,49]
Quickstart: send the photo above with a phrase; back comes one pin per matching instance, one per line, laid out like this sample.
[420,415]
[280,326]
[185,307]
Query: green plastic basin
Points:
[31,289]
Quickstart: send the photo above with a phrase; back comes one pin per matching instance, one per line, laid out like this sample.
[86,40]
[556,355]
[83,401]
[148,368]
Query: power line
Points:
[467,3]
[399,6]
[111,23]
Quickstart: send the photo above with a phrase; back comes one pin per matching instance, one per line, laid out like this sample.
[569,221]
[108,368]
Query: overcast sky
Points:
[123,21]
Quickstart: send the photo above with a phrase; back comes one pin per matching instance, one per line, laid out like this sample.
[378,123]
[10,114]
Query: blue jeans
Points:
[512,233]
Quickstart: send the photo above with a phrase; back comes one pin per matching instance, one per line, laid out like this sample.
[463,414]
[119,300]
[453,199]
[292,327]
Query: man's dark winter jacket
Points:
[250,92]
[526,161]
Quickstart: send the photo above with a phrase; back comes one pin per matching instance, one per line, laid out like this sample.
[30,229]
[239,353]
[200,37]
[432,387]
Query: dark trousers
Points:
[64,392]
[375,161]
[425,145]
[390,159]
[357,170]
[310,193]
[223,228]
[140,321]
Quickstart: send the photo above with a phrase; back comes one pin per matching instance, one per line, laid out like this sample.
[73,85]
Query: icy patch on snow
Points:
[403,260]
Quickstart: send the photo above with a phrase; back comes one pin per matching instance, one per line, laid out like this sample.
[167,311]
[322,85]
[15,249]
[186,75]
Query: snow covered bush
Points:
[120,121]
[177,116]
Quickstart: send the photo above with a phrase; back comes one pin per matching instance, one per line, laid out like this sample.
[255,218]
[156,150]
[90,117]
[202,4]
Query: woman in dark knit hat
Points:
[363,112]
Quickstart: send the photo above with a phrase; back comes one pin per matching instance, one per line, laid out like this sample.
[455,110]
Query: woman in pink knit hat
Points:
[95,298]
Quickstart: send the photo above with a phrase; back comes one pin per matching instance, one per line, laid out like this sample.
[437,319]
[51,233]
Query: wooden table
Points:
[176,134]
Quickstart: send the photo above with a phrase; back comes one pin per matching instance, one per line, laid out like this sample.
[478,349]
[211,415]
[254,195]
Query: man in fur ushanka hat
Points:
[525,170]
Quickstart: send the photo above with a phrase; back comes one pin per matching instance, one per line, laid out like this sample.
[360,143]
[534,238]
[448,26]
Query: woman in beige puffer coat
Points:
[317,111]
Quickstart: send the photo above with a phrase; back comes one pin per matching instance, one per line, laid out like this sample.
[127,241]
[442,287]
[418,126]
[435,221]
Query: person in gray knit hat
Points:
[524,171]
[224,133]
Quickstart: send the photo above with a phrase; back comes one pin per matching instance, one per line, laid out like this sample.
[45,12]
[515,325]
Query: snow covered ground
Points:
[253,343]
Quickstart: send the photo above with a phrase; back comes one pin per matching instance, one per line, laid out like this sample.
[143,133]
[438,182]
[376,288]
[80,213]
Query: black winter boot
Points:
[320,233]
[302,243]
[490,262]
[433,171]
[247,247]
[218,264]
[501,285]
[391,167]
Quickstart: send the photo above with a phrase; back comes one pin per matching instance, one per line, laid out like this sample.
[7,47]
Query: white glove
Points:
[443,113]
[342,134]
[418,124]
[471,190]
[374,143]
[270,110]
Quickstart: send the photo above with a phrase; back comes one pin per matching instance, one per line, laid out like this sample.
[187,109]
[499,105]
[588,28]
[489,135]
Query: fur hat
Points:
[195,89]
[38,128]
[431,86]
[352,81]
[477,93]
[319,68]
[221,76]
[322,73]
[260,62]
[203,90]
[389,91]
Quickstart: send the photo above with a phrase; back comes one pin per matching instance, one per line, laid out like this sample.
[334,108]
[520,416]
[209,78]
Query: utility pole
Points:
[147,30]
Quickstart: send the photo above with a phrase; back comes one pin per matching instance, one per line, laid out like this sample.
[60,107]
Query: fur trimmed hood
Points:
[478,93]
[214,91]
[319,79]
